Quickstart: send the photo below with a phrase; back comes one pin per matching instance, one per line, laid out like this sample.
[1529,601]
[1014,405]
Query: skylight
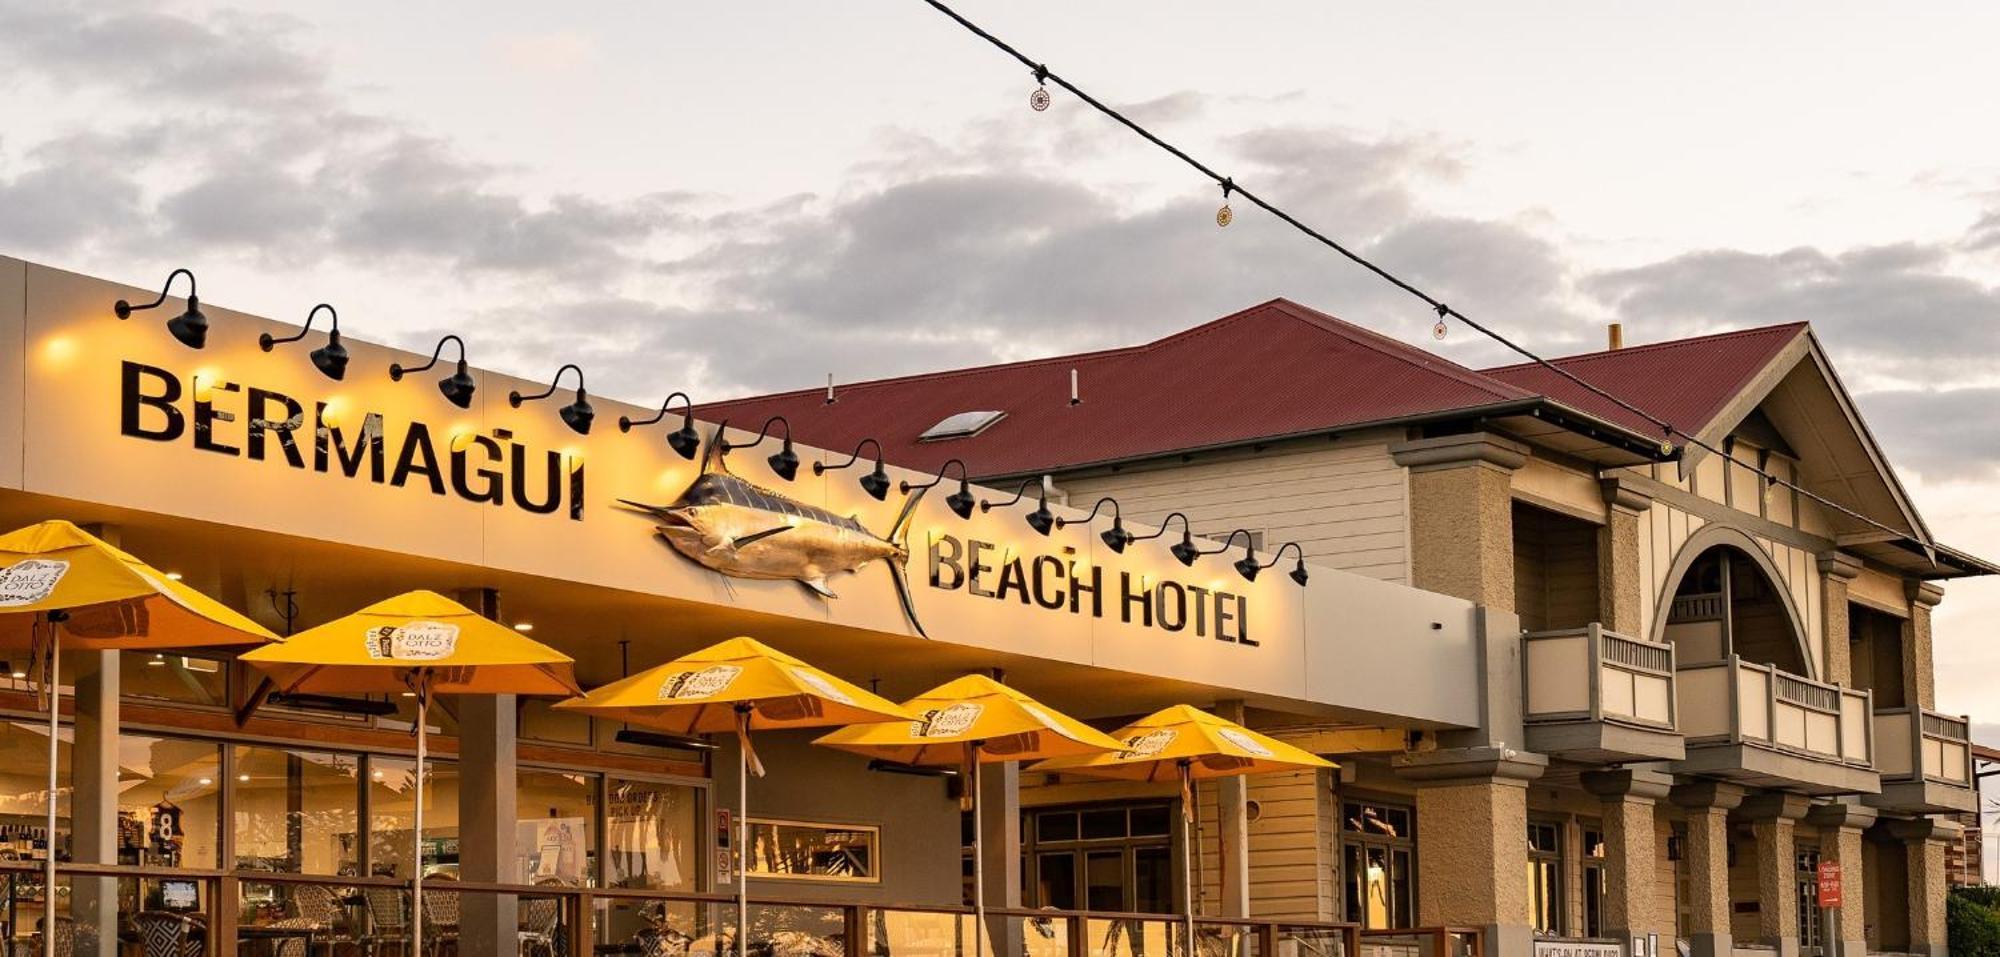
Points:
[961,425]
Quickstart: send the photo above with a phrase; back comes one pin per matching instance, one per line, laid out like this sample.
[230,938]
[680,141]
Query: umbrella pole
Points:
[417,873]
[743,840]
[49,868]
[978,853]
[1187,854]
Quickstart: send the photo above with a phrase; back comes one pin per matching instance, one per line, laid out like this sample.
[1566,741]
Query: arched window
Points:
[1727,602]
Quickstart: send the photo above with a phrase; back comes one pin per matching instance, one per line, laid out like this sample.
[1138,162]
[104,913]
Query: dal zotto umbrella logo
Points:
[29,581]
[705,683]
[1243,741]
[1148,744]
[947,722]
[413,641]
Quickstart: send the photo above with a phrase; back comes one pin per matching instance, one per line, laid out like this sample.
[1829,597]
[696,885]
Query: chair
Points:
[388,921]
[163,934]
[68,935]
[540,917]
[440,922]
[314,907]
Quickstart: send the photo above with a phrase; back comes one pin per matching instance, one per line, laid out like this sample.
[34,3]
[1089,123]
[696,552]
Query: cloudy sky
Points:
[749,196]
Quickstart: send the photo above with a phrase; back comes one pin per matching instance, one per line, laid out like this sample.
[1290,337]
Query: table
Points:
[276,934]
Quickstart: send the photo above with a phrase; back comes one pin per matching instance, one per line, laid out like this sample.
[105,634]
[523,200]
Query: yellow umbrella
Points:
[739,685]
[56,578]
[424,643]
[1187,744]
[967,722]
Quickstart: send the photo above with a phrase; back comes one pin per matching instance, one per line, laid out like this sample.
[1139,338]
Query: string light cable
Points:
[1232,189]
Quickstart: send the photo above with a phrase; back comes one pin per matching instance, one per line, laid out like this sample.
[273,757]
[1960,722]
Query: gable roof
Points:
[1274,369]
[1684,382]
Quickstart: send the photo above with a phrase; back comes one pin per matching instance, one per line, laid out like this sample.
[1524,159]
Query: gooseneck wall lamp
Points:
[1249,548]
[457,387]
[1248,566]
[1183,549]
[577,415]
[190,327]
[684,440]
[875,483]
[329,359]
[1041,519]
[960,502]
[784,462]
[1115,537]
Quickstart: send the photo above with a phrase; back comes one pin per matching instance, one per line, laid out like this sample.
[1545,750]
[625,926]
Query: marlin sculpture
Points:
[743,530]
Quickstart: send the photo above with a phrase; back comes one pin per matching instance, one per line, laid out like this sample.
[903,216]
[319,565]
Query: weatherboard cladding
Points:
[1275,369]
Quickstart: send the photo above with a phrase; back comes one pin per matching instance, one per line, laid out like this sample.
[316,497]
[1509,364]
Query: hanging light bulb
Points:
[1225,215]
[1439,330]
[1039,100]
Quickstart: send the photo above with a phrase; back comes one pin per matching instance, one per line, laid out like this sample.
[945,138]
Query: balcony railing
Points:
[291,913]
[1742,702]
[1596,675]
[1701,606]
[1921,745]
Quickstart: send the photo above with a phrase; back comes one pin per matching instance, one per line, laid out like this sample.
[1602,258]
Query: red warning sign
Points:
[1829,883]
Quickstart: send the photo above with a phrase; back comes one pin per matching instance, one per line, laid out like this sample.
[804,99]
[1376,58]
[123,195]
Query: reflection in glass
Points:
[555,834]
[295,811]
[797,849]
[650,835]
[168,801]
[392,813]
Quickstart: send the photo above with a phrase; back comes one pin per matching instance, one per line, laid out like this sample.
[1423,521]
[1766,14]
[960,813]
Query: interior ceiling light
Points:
[329,359]
[577,415]
[1115,537]
[1041,519]
[190,327]
[784,462]
[960,502]
[685,440]
[875,483]
[457,387]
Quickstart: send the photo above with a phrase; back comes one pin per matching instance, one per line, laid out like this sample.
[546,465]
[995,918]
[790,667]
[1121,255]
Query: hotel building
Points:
[1589,691]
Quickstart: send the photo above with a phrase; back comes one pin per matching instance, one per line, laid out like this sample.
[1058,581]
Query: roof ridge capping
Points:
[1661,345]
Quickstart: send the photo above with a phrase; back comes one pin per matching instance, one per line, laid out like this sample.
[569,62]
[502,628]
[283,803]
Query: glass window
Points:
[392,813]
[1377,857]
[1364,817]
[1055,878]
[176,678]
[1152,821]
[24,786]
[169,801]
[799,850]
[556,833]
[1593,882]
[295,811]
[1100,824]
[1055,826]
[651,838]
[1545,903]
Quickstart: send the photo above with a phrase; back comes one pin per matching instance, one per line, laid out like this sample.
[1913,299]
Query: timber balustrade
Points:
[258,912]
[1918,744]
[1741,701]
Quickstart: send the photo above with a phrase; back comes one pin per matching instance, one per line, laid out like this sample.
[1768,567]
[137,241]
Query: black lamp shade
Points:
[785,462]
[961,501]
[876,483]
[331,359]
[1247,567]
[578,415]
[190,327]
[1042,520]
[684,440]
[1299,572]
[1185,551]
[458,387]
[1116,537]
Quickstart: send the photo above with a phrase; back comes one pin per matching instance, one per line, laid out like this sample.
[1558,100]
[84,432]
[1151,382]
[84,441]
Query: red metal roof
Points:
[1685,382]
[1275,369]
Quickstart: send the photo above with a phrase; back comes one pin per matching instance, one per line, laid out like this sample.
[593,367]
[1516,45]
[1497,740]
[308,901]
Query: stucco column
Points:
[1631,859]
[1836,569]
[1472,859]
[487,810]
[1924,841]
[1232,800]
[1773,816]
[1619,583]
[1840,826]
[1462,514]
[1707,804]
[93,819]
[1000,843]
[1919,684]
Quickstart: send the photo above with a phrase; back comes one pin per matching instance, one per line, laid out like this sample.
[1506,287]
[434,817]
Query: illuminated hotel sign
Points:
[154,404]
[1054,583]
